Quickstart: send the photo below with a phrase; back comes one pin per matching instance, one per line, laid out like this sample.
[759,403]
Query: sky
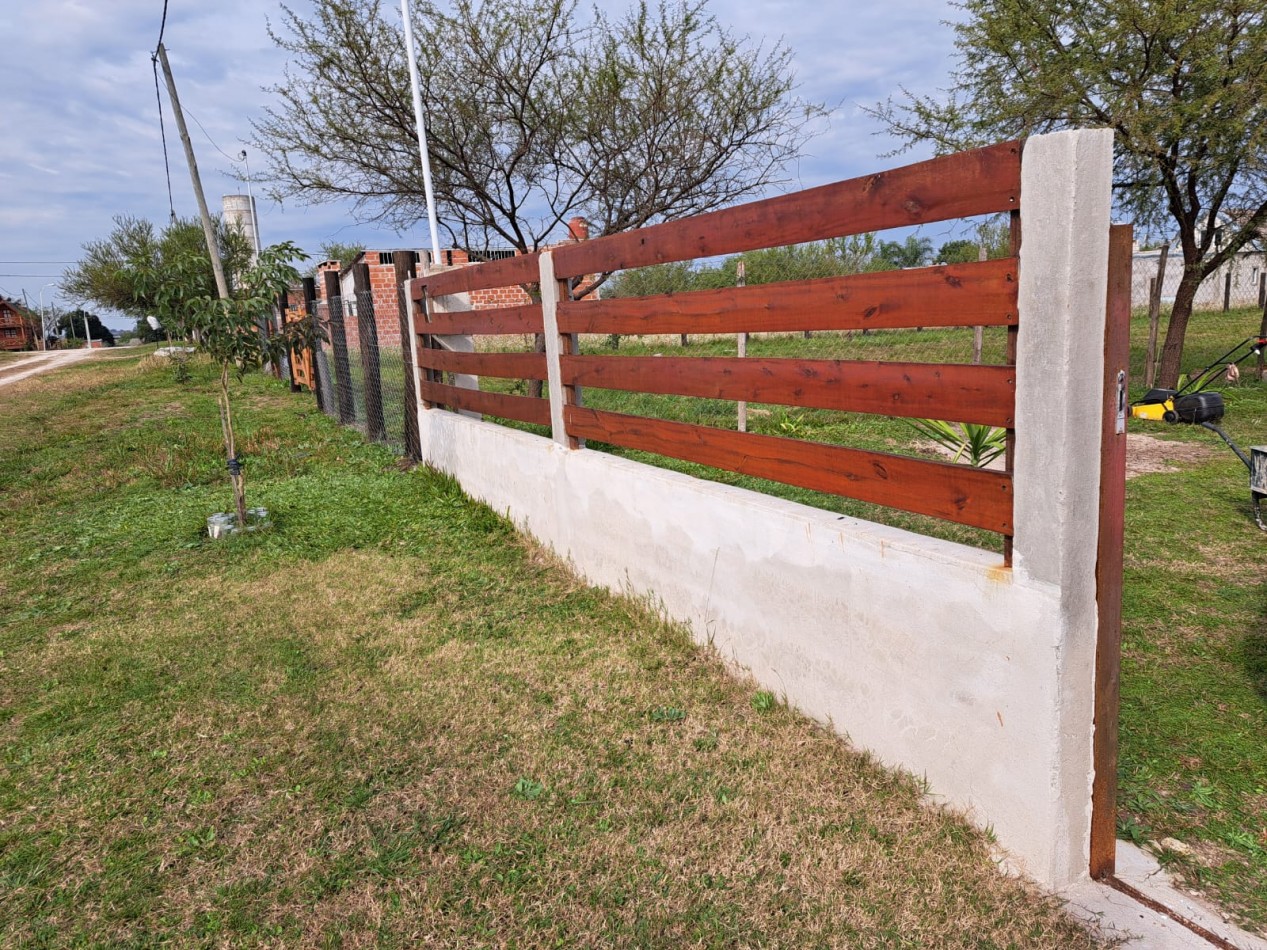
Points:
[80,140]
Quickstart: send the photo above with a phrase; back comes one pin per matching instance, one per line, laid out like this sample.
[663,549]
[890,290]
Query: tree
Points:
[71,324]
[533,115]
[994,234]
[147,333]
[958,251]
[345,254]
[913,252]
[113,270]
[1183,85]
[229,332]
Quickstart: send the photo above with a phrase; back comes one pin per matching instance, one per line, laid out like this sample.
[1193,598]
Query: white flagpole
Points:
[422,133]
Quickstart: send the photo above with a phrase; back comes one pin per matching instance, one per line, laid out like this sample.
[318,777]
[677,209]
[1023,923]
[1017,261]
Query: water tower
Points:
[239,213]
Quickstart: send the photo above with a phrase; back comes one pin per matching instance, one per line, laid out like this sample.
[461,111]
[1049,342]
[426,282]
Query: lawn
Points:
[1194,673]
[391,720]
[1194,679]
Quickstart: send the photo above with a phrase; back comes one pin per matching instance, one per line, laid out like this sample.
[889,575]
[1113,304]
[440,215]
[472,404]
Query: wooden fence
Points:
[980,182]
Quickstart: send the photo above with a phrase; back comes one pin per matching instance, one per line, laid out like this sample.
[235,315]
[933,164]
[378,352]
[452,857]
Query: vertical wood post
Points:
[288,358]
[405,269]
[741,280]
[1262,334]
[978,333]
[1108,567]
[1155,290]
[320,368]
[1227,291]
[367,331]
[339,343]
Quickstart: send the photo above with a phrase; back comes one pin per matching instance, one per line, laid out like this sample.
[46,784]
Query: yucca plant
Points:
[981,444]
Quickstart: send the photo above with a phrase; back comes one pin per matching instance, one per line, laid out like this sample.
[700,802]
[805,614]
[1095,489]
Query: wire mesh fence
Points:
[362,383]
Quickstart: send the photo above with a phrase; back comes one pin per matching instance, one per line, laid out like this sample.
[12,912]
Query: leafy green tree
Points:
[229,332]
[1183,85]
[913,252]
[958,251]
[345,254]
[534,114]
[669,278]
[147,333]
[113,271]
[71,324]
[994,234]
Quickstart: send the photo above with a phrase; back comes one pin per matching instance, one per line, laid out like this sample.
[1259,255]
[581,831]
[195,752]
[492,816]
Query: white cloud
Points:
[81,140]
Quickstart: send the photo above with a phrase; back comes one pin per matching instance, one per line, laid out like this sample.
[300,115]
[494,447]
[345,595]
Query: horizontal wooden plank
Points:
[491,322]
[507,272]
[957,393]
[957,493]
[500,365]
[501,405]
[982,181]
[975,294]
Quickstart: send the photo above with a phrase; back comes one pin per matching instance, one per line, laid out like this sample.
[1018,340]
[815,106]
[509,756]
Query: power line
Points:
[38,262]
[209,138]
[171,204]
[162,26]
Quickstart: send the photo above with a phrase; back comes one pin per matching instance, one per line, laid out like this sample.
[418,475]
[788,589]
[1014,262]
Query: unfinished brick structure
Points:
[384,292]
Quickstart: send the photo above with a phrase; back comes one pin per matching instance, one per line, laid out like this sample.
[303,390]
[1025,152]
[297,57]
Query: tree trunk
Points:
[535,386]
[236,476]
[1176,329]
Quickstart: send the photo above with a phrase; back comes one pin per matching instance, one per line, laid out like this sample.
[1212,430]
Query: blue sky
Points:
[79,131]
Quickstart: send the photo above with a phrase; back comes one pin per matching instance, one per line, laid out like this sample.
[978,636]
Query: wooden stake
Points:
[1154,315]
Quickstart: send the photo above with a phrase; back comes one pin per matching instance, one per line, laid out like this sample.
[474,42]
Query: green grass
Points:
[1194,675]
[1194,680]
[392,721]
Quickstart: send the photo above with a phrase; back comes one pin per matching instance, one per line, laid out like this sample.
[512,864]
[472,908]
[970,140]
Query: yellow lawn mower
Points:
[1195,405]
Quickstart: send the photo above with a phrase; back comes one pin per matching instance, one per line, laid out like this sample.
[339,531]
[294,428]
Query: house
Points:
[19,328]
[1242,279]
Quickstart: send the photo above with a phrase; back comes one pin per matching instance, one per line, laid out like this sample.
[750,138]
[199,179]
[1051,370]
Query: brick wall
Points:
[384,291]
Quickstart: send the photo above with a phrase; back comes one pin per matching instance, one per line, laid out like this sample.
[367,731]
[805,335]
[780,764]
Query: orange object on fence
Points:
[300,360]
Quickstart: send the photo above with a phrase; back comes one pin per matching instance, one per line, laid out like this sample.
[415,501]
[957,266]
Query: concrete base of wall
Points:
[932,655]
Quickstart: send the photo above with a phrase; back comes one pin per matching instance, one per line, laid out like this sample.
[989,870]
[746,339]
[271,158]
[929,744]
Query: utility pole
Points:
[208,230]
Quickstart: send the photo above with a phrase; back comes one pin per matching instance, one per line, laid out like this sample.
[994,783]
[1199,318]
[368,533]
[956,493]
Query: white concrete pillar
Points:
[1066,200]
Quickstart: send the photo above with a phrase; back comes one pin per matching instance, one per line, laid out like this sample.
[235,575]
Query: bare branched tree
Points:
[534,115]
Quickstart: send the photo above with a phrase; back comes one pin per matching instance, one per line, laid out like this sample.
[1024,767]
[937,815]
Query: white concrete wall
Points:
[934,656]
[1246,269]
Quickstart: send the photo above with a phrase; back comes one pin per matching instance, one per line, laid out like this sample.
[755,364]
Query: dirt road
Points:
[38,363]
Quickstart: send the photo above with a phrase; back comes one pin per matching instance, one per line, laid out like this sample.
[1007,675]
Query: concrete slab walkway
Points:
[1122,917]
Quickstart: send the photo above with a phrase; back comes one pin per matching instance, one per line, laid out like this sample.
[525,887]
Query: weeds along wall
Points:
[971,665]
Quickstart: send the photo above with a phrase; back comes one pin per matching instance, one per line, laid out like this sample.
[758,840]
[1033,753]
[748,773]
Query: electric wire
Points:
[167,167]
[162,28]
[210,139]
